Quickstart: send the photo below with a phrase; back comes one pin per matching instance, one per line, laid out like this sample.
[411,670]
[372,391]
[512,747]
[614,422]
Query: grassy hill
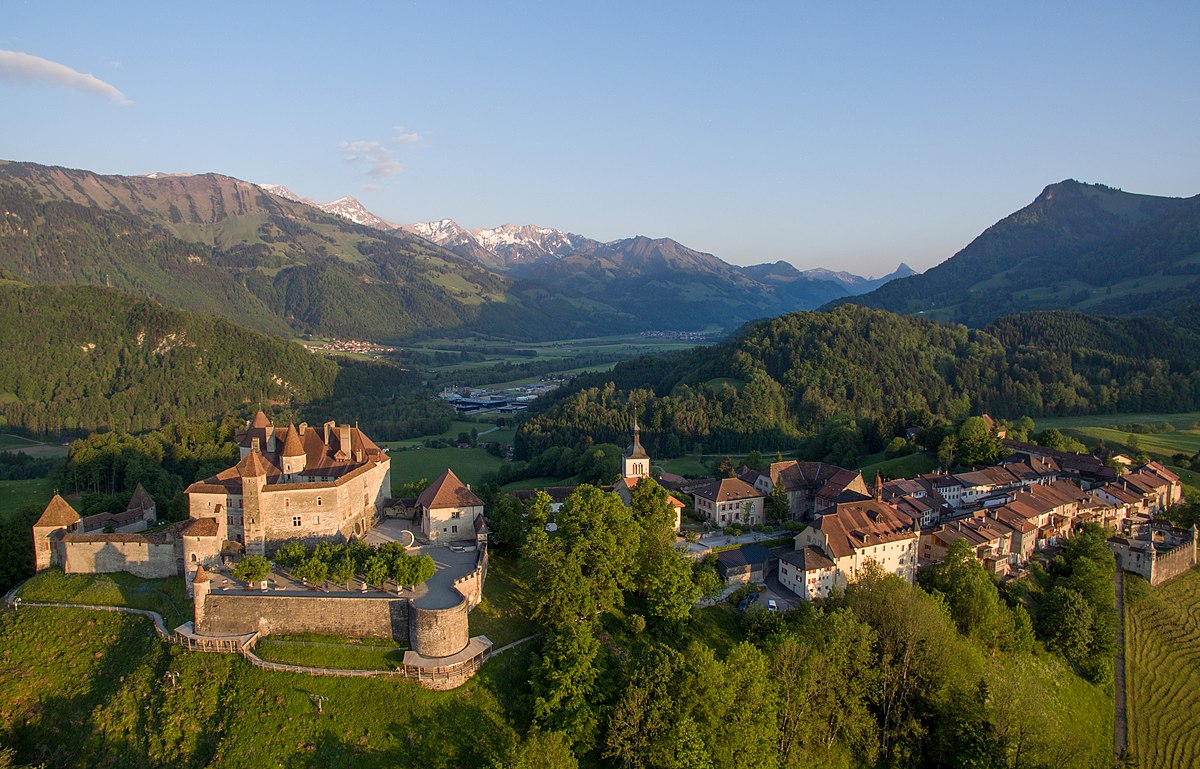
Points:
[1162,652]
[215,244]
[1082,247]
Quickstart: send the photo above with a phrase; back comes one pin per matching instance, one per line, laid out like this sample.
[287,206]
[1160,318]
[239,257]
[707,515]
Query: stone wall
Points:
[1173,563]
[438,632]
[101,554]
[470,586]
[351,616]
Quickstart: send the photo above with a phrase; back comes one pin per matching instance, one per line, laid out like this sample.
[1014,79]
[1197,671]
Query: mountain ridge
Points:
[1076,246]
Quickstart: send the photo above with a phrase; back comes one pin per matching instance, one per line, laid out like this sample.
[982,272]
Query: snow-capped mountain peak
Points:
[280,191]
[348,207]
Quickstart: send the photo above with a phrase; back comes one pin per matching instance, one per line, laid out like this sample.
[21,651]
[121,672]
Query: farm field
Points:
[470,465]
[1184,439]
[10,442]
[16,495]
[1162,652]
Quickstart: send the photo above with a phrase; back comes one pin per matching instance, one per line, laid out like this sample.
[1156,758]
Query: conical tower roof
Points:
[260,420]
[58,513]
[292,447]
[635,450]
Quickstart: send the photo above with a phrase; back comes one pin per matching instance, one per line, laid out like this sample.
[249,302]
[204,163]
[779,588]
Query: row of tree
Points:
[339,563]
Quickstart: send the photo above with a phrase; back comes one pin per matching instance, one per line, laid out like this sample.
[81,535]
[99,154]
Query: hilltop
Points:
[1084,247]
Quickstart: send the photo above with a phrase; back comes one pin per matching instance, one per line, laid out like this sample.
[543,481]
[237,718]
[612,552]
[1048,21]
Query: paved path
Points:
[1119,726]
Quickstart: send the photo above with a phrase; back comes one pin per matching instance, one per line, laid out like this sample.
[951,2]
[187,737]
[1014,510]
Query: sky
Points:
[841,135]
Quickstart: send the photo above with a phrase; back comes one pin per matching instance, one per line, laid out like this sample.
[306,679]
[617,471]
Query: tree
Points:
[376,569]
[252,568]
[584,569]
[563,680]
[754,460]
[725,467]
[506,523]
[777,504]
[670,585]
[969,591]
[947,451]
[976,445]
[343,570]
[1066,621]
[291,553]
[544,750]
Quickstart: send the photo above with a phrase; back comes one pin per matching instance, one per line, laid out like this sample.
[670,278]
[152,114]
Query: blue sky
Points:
[845,135]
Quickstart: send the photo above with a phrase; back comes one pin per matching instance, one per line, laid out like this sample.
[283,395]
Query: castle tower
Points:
[201,584]
[878,487]
[253,471]
[57,519]
[637,461]
[293,458]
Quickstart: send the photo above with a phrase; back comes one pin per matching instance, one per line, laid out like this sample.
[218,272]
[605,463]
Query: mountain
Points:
[856,284]
[212,243]
[347,207]
[1084,247]
[80,358]
[777,381]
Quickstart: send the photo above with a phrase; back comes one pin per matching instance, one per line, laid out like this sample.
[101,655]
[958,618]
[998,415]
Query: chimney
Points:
[255,445]
[328,427]
[343,451]
[303,428]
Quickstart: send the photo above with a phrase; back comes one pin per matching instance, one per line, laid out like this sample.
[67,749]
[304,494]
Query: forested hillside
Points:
[80,358]
[778,380]
[214,244]
[1082,247]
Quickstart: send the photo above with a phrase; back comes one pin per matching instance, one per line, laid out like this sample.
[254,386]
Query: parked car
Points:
[772,606]
[753,597]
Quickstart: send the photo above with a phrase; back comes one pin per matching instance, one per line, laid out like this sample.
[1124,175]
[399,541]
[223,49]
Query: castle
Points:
[327,483]
[311,484]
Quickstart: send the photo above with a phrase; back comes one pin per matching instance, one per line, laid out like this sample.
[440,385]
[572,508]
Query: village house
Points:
[807,572]
[726,501]
[854,534]
[812,488]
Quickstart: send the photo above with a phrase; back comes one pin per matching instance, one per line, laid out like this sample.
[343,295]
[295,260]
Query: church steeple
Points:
[637,461]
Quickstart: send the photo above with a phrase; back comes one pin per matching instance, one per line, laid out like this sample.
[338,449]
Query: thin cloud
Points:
[24,69]
[379,160]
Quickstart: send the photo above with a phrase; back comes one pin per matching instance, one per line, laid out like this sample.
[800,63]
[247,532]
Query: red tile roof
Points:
[448,491]
[727,490]
[58,513]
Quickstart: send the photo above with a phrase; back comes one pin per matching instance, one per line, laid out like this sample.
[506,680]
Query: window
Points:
[454,529]
[456,514]
[318,501]
[316,520]
[193,557]
[286,502]
[295,520]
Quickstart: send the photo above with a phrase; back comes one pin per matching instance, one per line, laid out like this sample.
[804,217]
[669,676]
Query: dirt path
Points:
[1119,727]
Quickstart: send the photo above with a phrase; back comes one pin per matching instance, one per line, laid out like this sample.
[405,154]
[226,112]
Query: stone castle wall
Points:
[351,616]
[471,585]
[1173,563]
[144,559]
[438,632]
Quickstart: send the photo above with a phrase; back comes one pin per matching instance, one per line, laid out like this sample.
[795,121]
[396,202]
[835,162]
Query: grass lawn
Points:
[456,426]
[10,442]
[1181,421]
[470,465]
[167,596]
[16,495]
[689,465]
[1162,653]
[87,689]
[1158,445]
[1190,479]
[537,483]
[332,652]
[898,467]
[501,616]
